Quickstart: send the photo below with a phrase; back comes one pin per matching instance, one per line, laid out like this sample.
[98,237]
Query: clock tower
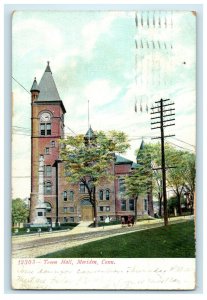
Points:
[47,127]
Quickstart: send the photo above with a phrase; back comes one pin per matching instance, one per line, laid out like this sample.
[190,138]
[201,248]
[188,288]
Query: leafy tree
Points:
[181,178]
[139,181]
[180,173]
[89,159]
[20,211]
[189,176]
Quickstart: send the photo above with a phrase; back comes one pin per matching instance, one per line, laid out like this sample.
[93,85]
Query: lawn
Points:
[176,240]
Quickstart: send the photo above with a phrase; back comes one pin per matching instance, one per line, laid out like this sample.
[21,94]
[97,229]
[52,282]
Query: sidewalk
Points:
[83,227]
[36,246]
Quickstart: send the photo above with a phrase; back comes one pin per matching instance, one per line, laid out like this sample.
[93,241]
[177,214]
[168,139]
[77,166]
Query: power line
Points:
[20,85]
[183,142]
[180,146]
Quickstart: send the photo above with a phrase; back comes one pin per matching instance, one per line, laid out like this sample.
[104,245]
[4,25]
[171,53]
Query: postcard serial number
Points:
[26,261]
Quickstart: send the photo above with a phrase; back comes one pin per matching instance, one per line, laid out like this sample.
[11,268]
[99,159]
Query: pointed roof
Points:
[47,86]
[35,86]
[142,145]
[140,149]
[90,133]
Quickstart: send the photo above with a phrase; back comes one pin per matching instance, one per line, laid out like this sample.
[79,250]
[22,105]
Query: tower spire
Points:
[48,67]
[35,87]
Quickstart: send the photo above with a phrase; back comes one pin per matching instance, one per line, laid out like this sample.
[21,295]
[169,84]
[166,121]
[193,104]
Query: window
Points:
[71,219]
[48,129]
[71,195]
[131,204]
[48,207]
[123,205]
[121,185]
[39,214]
[107,194]
[47,150]
[107,208]
[45,129]
[65,195]
[48,171]
[65,209]
[100,195]
[145,204]
[82,188]
[65,219]
[101,218]
[101,208]
[71,209]
[48,188]
[52,143]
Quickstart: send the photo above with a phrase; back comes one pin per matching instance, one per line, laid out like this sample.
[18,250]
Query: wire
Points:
[20,85]
[183,142]
[181,147]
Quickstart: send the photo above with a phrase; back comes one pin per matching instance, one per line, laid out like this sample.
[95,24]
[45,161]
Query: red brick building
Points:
[69,202]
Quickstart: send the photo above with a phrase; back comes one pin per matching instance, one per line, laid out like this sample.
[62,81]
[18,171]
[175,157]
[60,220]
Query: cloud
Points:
[101,92]
[92,58]
[95,29]
[35,34]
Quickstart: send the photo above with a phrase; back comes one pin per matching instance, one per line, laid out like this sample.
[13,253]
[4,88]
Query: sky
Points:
[111,61]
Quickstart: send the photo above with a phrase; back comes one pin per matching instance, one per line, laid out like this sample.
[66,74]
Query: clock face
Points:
[45,117]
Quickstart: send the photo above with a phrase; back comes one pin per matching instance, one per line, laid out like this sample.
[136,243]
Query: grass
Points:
[176,240]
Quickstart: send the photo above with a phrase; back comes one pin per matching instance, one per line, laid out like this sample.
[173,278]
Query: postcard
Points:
[103,150]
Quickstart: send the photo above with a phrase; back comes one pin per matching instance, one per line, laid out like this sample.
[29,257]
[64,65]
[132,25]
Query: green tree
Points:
[181,178]
[139,181]
[89,159]
[190,177]
[20,211]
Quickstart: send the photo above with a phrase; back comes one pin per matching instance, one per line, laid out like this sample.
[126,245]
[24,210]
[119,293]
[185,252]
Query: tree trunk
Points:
[136,198]
[179,204]
[160,204]
[95,208]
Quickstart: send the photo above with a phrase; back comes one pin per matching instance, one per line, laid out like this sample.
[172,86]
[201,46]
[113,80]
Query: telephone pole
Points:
[160,118]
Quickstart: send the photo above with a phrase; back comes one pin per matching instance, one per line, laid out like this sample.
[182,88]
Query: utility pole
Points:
[162,111]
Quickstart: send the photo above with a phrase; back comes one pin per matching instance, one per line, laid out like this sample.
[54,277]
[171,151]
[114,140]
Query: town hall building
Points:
[65,202]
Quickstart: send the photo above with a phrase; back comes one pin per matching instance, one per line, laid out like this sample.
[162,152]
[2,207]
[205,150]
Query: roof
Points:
[47,87]
[90,133]
[134,165]
[142,145]
[140,149]
[35,86]
[122,160]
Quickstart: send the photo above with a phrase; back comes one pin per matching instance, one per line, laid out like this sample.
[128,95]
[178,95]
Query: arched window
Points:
[45,123]
[82,187]
[65,195]
[121,185]
[100,195]
[48,207]
[71,195]
[107,195]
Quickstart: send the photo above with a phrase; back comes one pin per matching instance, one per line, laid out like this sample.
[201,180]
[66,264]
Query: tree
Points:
[89,159]
[189,176]
[20,211]
[181,178]
[139,181]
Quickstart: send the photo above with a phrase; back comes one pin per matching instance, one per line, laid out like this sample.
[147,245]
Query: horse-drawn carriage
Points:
[127,221]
